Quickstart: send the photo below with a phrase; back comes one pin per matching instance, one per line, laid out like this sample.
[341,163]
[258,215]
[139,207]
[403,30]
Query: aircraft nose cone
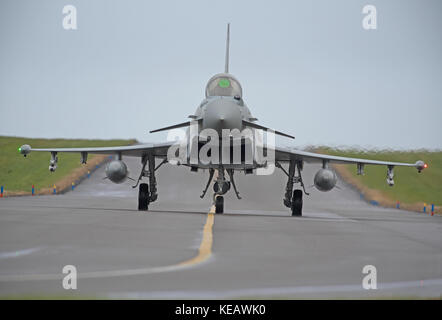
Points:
[222,114]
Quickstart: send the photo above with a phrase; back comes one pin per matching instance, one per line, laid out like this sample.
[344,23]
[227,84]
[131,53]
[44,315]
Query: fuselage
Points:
[223,107]
[222,112]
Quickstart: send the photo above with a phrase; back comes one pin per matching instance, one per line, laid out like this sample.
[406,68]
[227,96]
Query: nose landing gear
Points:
[219,204]
[220,187]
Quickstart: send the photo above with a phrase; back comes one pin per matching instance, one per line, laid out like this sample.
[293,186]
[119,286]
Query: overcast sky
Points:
[307,68]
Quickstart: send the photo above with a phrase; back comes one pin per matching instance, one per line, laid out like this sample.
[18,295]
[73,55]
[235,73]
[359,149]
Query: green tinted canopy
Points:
[224,83]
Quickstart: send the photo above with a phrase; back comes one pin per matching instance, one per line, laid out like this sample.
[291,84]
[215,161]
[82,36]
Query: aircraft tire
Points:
[143,197]
[297,203]
[219,204]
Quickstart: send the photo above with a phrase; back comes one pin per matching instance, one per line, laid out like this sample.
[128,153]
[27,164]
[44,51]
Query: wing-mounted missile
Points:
[53,162]
[26,149]
[83,158]
[360,169]
[420,165]
[390,176]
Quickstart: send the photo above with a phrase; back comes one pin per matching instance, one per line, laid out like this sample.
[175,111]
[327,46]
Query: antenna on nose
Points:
[226,69]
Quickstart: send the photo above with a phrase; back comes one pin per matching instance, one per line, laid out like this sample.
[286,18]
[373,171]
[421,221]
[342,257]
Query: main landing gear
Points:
[143,197]
[293,198]
[146,196]
[297,203]
[148,192]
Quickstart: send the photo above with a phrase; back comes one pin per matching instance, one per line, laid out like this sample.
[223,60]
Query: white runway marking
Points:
[19,253]
[204,255]
[328,216]
[433,284]
[307,216]
[97,274]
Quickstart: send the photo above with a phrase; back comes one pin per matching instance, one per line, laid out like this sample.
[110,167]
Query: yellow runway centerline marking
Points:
[205,249]
[204,253]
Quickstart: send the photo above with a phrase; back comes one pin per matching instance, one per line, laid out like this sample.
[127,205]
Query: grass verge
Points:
[411,189]
[18,174]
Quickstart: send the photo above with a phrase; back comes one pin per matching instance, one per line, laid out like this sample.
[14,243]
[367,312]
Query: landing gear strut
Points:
[211,172]
[146,196]
[293,199]
[220,187]
[230,173]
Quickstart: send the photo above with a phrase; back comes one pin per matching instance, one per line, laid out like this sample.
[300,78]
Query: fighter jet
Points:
[223,110]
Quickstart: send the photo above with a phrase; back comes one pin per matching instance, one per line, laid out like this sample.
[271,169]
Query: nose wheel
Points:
[219,204]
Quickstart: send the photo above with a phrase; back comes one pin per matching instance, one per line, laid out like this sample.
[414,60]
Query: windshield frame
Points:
[222,83]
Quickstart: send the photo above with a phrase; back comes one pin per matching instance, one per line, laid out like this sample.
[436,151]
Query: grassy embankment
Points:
[411,189]
[18,174]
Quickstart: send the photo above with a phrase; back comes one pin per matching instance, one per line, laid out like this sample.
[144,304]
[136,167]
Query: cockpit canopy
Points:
[223,84]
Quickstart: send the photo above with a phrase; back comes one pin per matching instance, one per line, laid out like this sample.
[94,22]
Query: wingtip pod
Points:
[420,165]
[24,149]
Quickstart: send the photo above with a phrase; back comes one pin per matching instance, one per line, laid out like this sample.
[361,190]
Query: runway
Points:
[179,250]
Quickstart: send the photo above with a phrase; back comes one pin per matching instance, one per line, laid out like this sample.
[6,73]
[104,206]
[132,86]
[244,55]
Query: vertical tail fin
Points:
[226,69]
